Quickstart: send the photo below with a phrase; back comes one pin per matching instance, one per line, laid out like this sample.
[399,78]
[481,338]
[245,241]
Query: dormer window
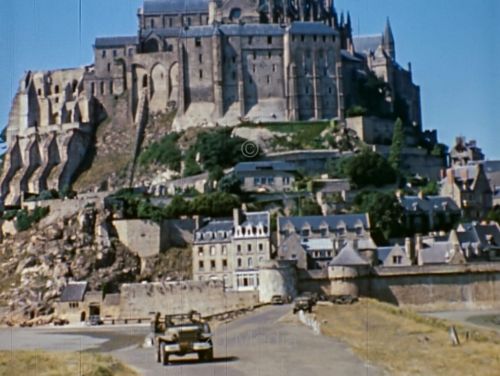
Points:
[341,230]
[305,232]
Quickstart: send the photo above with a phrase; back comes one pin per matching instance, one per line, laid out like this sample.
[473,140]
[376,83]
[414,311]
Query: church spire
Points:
[389,45]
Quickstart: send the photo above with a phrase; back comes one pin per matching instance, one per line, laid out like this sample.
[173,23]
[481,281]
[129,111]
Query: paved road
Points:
[260,345]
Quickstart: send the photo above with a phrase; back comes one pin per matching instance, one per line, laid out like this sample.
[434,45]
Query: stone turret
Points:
[277,277]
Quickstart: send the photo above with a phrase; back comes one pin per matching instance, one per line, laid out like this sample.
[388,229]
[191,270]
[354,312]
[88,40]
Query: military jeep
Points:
[180,335]
[302,303]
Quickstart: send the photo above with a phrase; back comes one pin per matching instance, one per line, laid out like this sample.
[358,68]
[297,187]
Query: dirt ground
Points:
[406,343]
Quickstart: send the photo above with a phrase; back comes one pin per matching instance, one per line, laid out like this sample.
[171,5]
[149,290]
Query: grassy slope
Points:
[406,343]
[61,364]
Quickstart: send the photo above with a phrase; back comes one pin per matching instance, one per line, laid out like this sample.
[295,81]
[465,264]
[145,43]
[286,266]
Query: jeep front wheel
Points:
[163,355]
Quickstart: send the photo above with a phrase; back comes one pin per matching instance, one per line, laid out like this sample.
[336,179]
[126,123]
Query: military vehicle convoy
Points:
[180,335]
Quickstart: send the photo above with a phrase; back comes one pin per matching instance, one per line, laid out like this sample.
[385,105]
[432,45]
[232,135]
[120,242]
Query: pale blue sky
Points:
[454,47]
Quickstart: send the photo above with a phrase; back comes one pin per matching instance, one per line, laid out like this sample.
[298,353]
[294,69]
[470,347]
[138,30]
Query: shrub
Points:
[24,219]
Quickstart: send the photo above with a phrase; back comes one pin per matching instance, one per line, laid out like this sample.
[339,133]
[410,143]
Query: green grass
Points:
[296,135]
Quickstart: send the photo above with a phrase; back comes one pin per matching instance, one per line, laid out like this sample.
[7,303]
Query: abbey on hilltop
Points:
[215,62]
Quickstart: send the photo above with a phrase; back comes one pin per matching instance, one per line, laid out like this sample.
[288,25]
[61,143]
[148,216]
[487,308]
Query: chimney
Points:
[410,251]
[197,222]
[236,217]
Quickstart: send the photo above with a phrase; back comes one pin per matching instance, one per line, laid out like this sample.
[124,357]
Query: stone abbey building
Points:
[215,62]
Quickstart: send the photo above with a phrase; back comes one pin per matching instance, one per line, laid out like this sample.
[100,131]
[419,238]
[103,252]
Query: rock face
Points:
[36,265]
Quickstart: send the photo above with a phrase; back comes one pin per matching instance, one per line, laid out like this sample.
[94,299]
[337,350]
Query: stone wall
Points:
[372,130]
[208,298]
[460,285]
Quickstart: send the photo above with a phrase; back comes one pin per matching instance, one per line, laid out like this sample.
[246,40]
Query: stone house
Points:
[266,176]
[434,251]
[479,241]
[469,187]
[313,241]
[231,250]
[393,256]
[77,303]
[464,152]
[429,213]
[338,228]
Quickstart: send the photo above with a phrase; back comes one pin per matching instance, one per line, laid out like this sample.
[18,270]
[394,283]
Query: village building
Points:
[231,250]
[266,176]
[470,188]
[423,214]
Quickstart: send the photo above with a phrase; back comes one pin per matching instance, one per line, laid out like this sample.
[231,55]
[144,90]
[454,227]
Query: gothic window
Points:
[201,74]
[200,265]
[111,87]
[145,81]
[224,264]
[249,247]
[261,247]
[269,40]
[39,92]
[103,53]
[212,265]
[197,42]
[102,87]
[109,67]
[56,89]
[239,263]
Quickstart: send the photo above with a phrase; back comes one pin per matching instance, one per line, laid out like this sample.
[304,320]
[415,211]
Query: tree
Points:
[369,168]
[177,208]
[396,150]
[431,189]
[385,211]
[230,184]
[308,206]
[216,204]
[165,152]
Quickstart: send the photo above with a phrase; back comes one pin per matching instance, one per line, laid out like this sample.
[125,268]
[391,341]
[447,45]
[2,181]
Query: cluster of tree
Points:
[386,214]
[365,169]
[214,150]
[164,152]
[138,205]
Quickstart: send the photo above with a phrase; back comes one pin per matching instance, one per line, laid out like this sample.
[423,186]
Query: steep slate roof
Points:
[252,29]
[218,225]
[256,218]
[348,256]
[367,43]
[318,244]
[480,234]
[310,28]
[264,165]
[120,41]
[429,203]
[175,6]
[333,221]
[74,292]
[383,253]
[436,253]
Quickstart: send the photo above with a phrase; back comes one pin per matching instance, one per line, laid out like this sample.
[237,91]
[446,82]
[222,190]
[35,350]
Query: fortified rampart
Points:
[443,285]
[207,297]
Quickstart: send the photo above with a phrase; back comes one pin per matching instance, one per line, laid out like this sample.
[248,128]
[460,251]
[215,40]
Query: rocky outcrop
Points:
[36,265]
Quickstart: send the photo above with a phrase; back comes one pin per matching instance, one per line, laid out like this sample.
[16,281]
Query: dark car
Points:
[312,296]
[277,299]
[302,303]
